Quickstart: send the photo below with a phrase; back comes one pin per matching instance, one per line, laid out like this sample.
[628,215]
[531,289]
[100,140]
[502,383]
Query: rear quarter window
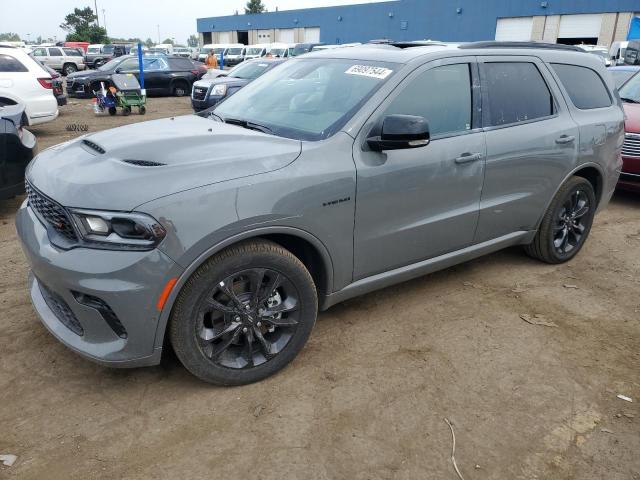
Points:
[10,64]
[585,87]
[72,52]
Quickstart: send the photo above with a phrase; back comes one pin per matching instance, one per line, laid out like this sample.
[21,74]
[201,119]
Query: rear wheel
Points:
[142,110]
[69,68]
[180,89]
[566,224]
[98,63]
[126,111]
[244,314]
[112,111]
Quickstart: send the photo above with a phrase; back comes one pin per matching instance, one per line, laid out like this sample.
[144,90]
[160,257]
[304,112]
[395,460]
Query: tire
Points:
[180,89]
[203,314]
[569,216]
[126,111]
[112,111]
[98,63]
[69,68]
[142,110]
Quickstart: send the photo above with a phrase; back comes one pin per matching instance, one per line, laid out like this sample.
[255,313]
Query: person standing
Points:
[212,60]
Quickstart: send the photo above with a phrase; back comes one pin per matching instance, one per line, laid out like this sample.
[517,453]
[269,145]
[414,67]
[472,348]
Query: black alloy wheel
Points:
[571,222]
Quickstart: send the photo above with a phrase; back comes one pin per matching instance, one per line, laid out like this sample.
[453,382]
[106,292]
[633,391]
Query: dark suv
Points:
[330,176]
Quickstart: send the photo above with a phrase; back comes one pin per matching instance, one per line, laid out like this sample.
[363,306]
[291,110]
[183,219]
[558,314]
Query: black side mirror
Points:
[401,132]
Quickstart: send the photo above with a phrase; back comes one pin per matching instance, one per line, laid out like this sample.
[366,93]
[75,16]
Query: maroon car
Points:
[630,177]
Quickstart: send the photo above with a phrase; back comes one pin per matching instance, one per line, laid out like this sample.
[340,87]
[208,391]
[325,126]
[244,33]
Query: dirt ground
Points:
[367,397]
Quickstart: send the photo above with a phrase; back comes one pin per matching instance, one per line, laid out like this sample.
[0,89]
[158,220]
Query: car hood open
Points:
[122,168]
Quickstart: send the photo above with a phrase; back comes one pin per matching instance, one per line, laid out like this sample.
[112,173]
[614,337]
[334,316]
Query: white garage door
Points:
[264,36]
[312,35]
[285,35]
[514,29]
[580,26]
[224,37]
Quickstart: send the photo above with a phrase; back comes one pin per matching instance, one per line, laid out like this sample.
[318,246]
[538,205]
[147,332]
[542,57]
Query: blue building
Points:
[566,21]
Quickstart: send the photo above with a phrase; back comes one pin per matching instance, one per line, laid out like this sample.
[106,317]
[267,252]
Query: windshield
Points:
[621,76]
[307,99]
[301,49]
[254,51]
[108,49]
[111,64]
[234,51]
[249,71]
[93,50]
[218,51]
[630,91]
[278,52]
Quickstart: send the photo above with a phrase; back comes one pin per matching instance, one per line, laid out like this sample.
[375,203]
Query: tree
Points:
[254,6]
[193,41]
[9,37]
[81,27]
[168,40]
[149,43]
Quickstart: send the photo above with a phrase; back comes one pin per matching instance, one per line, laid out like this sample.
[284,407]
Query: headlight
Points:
[118,230]
[219,90]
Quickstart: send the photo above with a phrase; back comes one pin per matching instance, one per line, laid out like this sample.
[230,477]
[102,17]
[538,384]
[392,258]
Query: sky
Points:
[177,19]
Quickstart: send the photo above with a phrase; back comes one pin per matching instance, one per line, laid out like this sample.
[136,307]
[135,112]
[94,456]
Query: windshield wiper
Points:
[629,100]
[248,125]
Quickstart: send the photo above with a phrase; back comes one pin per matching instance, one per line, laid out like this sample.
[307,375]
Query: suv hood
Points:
[230,81]
[193,151]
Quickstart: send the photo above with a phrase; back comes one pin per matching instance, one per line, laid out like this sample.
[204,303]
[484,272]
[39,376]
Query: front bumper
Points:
[129,283]
[78,89]
[630,175]
[207,102]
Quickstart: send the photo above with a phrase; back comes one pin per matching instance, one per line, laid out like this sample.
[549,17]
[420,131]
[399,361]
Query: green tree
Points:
[254,6]
[82,28]
[149,43]
[168,40]
[9,37]
[192,41]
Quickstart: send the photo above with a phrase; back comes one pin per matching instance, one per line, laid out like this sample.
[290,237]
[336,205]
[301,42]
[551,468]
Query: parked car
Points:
[63,59]
[24,81]
[600,51]
[279,50]
[630,176]
[182,52]
[623,73]
[164,75]
[256,51]
[97,55]
[208,91]
[17,147]
[617,52]
[57,84]
[234,56]
[228,232]
[302,48]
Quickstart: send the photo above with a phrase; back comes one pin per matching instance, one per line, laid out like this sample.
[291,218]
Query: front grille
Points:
[631,146]
[199,93]
[61,310]
[51,213]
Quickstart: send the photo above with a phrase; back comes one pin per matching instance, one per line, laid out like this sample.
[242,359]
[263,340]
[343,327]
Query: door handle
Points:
[468,158]
[565,139]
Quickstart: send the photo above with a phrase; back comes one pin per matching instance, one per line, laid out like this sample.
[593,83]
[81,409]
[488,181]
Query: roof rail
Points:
[549,46]
[407,44]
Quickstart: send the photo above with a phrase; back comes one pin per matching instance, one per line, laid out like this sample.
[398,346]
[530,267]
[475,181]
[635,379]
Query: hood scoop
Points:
[94,146]
[144,163]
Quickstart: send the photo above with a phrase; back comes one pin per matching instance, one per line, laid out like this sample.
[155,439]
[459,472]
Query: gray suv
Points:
[336,174]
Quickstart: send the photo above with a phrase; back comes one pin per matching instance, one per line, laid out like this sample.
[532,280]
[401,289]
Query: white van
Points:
[167,47]
[257,51]
[279,50]
[218,49]
[617,51]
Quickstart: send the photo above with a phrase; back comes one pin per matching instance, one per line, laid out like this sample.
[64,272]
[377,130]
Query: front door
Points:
[420,203]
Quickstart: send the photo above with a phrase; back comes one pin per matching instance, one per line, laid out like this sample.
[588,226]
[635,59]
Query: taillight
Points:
[46,83]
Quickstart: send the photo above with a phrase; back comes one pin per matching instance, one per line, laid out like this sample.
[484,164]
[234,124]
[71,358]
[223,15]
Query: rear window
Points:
[10,64]
[517,93]
[584,86]
[180,64]
[73,52]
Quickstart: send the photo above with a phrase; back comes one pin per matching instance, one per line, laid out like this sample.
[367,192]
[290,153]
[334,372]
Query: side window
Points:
[129,65]
[55,52]
[10,64]
[72,52]
[442,95]
[584,86]
[155,64]
[40,52]
[516,93]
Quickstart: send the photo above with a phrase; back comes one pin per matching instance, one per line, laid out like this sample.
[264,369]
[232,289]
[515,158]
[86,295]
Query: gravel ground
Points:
[367,397]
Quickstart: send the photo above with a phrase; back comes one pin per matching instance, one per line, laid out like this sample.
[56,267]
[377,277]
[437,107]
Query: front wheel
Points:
[69,68]
[244,314]
[142,110]
[126,111]
[112,111]
[566,224]
[180,89]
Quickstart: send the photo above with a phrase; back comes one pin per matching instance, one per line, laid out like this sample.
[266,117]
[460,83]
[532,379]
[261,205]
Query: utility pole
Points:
[95,3]
[104,18]
[159,34]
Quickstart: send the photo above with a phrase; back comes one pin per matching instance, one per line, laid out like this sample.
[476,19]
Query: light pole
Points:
[104,19]
[95,3]
[159,34]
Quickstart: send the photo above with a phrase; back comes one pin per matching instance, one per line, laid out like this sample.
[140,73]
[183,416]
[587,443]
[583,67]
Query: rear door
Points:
[56,59]
[532,143]
[419,203]
[42,54]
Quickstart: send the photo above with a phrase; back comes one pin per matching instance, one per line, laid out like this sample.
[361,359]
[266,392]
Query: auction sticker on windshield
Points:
[369,71]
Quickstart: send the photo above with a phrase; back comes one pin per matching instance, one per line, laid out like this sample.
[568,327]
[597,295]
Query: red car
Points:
[630,177]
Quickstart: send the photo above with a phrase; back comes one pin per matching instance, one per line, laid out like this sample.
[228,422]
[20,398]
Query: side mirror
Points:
[401,132]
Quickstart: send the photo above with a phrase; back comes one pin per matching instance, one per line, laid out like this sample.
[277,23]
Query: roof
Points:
[625,68]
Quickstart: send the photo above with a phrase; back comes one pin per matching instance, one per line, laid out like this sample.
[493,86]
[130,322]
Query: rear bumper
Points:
[128,283]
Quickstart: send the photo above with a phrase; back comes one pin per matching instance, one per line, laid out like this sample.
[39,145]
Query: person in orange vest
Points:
[212,60]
